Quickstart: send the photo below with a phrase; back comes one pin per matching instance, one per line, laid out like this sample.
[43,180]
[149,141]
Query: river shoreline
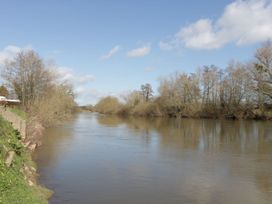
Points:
[220,117]
[17,162]
[19,173]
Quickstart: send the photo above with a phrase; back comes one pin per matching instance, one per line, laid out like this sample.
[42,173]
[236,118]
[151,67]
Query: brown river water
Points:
[98,159]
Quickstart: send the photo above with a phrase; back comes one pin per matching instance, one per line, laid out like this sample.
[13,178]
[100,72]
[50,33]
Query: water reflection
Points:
[199,134]
[109,159]
[249,138]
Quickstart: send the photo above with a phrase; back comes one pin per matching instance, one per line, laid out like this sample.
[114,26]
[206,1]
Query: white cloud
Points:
[112,52]
[86,95]
[242,22]
[166,45]
[200,35]
[10,51]
[81,85]
[139,52]
[67,74]
[149,69]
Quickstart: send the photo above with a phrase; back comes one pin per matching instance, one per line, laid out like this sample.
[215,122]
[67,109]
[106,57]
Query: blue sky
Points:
[111,47]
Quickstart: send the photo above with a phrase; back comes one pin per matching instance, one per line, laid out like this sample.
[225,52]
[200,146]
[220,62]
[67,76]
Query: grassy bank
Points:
[17,183]
[18,112]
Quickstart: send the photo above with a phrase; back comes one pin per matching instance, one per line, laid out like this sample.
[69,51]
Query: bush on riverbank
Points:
[16,180]
[108,105]
[55,106]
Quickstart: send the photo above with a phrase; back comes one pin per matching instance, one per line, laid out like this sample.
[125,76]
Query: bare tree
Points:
[263,68]
[147,91]
[210,84]
[180,94]
[236,88]
[27,77]
[133,98]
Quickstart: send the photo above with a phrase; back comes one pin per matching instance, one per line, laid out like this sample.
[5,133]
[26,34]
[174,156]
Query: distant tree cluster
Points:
[241,90]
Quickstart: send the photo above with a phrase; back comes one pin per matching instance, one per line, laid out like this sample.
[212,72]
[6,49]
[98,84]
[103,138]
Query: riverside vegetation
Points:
[45,100]
[241,91]
[17,183]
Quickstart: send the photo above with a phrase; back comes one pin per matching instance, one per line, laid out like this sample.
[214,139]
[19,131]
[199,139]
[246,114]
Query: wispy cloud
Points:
[86,95]
[242,22]
[112,52]
[69,75]
[166,45]
[81,84]
[139,52]
[89,95]
[10,51]
[149,69]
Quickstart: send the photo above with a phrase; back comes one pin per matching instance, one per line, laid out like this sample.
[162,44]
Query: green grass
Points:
[13,187]
[18,112]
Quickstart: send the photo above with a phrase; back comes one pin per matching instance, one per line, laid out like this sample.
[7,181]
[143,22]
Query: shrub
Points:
[108,105]
[146,109]
[55,106]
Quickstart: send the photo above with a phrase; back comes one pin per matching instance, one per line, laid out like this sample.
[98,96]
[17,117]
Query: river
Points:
[98,159]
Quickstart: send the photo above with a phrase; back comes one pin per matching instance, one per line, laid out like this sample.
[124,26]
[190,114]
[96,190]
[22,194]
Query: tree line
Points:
[241,91]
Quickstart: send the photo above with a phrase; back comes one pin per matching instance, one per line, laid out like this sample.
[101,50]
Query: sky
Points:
[106,47]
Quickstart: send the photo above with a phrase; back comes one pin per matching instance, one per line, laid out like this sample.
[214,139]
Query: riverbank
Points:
[18,172]
[111,106]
